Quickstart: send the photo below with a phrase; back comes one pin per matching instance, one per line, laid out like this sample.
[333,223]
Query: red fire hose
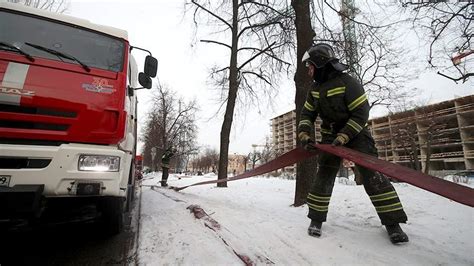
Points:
[450,190]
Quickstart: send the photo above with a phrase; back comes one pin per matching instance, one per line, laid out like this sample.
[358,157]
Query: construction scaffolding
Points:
[284,130]
[444,132]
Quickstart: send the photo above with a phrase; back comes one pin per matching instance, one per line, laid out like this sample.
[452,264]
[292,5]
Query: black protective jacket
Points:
[341,103]
[166,158]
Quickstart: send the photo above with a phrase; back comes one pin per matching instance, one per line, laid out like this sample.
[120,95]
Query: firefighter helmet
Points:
[320,54]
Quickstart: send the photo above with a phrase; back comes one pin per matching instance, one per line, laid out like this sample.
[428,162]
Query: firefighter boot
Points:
[396,234]
[314,228]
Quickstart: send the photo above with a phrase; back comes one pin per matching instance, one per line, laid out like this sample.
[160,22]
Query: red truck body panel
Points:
[60,101]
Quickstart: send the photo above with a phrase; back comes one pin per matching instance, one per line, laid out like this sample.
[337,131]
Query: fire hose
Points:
[459,193]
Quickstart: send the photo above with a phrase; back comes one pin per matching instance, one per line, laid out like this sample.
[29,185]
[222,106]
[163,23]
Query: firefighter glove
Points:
[340,140]
[306,141]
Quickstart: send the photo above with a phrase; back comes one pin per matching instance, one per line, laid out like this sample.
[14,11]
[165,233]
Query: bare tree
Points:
[58,6]
[256,34]
[245,161]
[306,170]
[254,157]
[406,138]
[448,27]
[268,152]
[170,123]
[151,138]
[374,54]
[206,161]
[418,137]
[432,133]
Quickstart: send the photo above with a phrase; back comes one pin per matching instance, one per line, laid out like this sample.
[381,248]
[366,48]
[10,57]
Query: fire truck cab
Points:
[68,116]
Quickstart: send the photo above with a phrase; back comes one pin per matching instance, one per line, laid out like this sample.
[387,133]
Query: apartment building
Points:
[444,132]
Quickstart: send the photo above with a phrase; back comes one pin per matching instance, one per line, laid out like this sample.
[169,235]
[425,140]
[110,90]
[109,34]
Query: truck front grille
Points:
[32,125]
[36,110]
[23,162]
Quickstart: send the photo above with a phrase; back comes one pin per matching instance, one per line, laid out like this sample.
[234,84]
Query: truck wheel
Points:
[130,188]
[130,198]
[112,215]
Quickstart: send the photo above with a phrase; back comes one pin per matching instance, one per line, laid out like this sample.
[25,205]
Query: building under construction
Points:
[439,137]
[284,134]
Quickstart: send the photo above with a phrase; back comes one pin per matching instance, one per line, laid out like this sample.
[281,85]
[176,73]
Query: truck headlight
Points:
[98,163]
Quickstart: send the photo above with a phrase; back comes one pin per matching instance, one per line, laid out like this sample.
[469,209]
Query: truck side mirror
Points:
[151,65]
[144,80]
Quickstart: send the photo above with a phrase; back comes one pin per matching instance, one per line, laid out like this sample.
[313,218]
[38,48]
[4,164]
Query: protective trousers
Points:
[164,176]
[377,186]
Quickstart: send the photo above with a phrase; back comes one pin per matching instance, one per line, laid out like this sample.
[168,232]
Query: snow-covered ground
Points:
[258,225]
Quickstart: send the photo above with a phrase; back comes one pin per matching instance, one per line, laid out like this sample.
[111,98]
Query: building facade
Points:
[284,133]
[442,132]
[236,164]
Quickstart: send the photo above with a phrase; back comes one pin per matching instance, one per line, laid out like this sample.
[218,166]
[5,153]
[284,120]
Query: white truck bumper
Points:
[61,177]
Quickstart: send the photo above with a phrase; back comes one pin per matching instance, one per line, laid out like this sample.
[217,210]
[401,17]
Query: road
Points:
[71,244]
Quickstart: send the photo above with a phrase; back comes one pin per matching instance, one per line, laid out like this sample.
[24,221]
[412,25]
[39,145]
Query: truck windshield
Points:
[91,48]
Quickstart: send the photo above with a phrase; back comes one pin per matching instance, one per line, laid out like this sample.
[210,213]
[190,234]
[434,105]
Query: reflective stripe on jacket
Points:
[341,103]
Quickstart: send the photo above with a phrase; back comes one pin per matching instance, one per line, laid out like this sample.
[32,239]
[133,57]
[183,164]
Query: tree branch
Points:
[261,25]
[268,54]
[216,42]
[211,13]
[263,5]
[463,77]
[255,56]
[446,23]
[258,75]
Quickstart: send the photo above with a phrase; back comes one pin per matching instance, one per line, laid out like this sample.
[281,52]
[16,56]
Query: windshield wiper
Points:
[60,54]
[12,47]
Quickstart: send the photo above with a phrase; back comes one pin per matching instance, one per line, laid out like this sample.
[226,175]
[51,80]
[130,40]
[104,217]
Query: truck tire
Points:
[130,188]
[112,209]
[130,198]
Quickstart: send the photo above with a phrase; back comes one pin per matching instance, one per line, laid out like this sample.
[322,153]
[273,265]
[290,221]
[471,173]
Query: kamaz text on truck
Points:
[68,117]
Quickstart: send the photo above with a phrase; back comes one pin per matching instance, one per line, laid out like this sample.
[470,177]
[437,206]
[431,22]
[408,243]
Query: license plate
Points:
[4,180]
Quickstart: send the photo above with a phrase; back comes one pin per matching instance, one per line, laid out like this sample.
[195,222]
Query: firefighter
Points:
[342,105]
[165,164]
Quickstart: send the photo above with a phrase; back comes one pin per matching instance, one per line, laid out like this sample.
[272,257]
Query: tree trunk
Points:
[414,150]
[164,107]
[306,170]
[232,96]
[428,155]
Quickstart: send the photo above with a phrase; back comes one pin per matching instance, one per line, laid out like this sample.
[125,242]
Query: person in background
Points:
[165,165]
[340,101]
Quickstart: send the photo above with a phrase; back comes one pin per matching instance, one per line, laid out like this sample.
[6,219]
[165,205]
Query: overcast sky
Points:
[159,26]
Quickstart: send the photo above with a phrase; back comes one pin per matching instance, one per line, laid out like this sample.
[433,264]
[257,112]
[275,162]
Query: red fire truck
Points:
[68,117]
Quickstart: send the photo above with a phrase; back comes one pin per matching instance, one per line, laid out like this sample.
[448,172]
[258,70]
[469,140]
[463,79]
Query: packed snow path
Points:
[258,225]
